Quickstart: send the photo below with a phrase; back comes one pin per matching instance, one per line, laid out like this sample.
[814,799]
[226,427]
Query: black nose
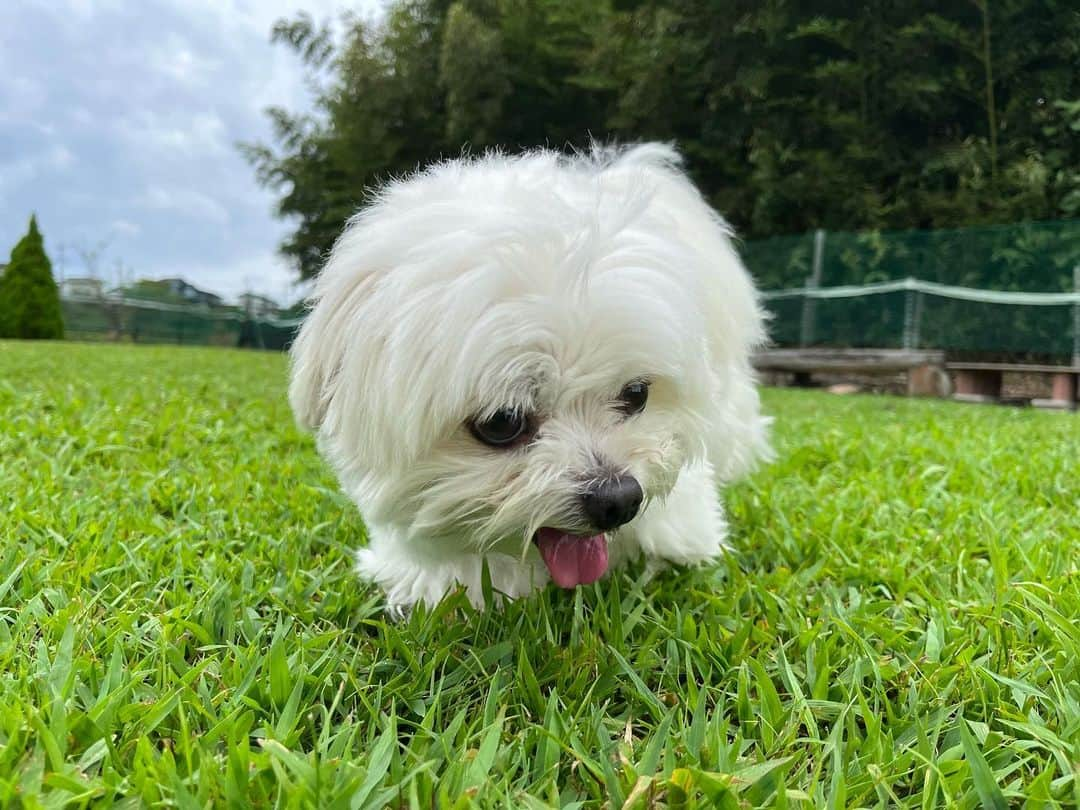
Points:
[612,502]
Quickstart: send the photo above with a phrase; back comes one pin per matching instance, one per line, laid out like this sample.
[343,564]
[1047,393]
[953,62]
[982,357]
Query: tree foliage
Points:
[793,115]
[29,298]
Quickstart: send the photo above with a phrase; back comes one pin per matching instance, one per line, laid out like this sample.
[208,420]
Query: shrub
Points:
[29,297]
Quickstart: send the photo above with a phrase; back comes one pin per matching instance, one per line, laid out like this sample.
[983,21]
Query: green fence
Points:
[1003,292]
[137,321]
[1028,257]
[913,314]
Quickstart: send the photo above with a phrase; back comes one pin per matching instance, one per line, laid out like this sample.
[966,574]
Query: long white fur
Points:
[547,283]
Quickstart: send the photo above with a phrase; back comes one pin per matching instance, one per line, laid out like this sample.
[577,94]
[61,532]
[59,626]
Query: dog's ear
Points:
[316,356]
[320,348]
[736,330]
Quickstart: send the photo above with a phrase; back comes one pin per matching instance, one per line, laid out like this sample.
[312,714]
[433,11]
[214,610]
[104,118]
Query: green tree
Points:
[793,115]
[431,80]
[29,298]
[379,113]
[473,70]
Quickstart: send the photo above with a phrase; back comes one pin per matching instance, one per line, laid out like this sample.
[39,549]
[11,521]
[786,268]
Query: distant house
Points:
[82,287]
[258,306]
[171,291]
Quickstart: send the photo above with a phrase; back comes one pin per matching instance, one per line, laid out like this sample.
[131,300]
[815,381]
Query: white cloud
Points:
[257,16]
[119,122]
[46,161]
[71,14]
[60,157]
[177,62]
[124,227]
[80,116]
[20,96]
[186,202]
[173,134]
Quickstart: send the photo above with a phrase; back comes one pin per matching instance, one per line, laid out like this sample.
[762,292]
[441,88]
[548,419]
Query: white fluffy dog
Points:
[537,362]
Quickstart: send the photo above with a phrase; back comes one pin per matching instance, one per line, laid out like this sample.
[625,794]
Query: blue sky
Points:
[118,126]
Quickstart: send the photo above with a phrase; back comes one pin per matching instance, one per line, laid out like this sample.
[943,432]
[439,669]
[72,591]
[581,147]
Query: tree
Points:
[29,298]
[379,114]
[792,115]
[432,79]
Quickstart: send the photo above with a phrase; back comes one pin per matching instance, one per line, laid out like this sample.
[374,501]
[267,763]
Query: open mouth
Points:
[572,559]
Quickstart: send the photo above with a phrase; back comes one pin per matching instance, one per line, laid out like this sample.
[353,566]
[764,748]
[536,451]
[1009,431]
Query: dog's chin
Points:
[572,559]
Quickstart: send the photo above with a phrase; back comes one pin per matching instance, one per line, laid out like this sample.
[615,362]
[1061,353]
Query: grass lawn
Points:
[899,623]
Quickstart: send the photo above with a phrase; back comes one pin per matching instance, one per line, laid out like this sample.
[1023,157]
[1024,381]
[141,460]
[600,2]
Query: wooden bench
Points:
[925,369]
[981,382]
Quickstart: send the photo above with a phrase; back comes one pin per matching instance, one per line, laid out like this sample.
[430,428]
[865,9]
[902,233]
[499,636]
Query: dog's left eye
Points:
[501,429]
[633,397]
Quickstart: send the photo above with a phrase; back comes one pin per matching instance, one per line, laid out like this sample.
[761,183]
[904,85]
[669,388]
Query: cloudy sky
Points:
[118,126]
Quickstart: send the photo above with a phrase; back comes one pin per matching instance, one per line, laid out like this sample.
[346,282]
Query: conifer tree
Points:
[29,297]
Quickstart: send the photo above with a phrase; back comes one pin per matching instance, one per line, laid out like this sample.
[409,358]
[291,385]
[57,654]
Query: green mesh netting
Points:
[955,305]
[872,321]
[1035,257]
[139,322]
[921,315]
[1030,256]
[977,329]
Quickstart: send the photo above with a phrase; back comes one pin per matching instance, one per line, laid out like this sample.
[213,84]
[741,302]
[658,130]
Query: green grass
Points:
[898,624]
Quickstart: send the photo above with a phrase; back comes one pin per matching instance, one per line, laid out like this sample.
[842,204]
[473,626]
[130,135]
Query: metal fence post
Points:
[809,311]
[913,305]
[1076,317]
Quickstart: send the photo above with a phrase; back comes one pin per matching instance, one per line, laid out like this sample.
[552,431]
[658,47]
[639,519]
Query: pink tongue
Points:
[572,560]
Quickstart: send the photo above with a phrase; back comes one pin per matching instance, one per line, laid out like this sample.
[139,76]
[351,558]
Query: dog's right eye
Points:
[502,429]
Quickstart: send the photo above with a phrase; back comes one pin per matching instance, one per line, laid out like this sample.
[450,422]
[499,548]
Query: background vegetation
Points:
[29,298]
[179,624]
[793,115]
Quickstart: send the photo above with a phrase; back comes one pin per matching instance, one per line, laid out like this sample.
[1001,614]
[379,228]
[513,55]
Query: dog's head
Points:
[504,349]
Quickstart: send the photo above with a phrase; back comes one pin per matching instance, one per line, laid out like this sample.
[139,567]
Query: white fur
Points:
[546,283]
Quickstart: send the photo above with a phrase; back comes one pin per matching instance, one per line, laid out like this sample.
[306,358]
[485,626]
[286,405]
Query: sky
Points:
[119,121]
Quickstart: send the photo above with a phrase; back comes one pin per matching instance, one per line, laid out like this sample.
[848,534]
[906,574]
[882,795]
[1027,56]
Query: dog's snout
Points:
[612,502]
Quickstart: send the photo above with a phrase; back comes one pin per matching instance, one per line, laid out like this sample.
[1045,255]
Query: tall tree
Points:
[431,80]
[29,298]
[793,115]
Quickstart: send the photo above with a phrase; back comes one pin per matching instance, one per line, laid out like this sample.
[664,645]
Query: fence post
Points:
[913,305]
[809,311]
[1076,318]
